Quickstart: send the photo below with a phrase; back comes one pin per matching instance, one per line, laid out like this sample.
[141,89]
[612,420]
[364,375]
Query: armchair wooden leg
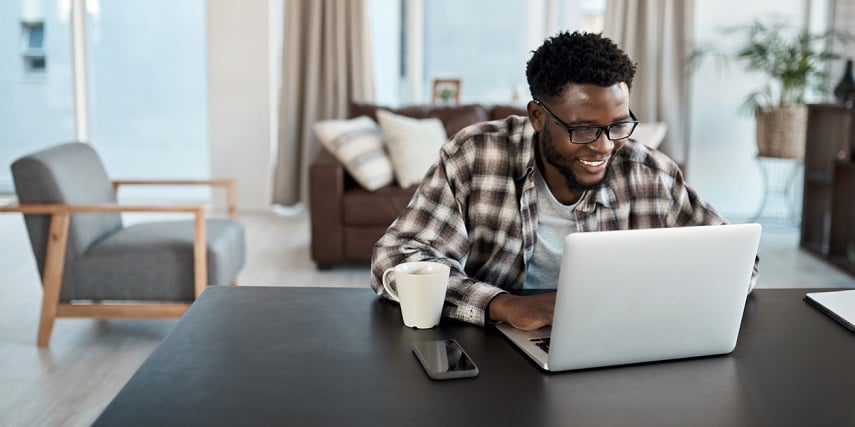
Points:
[54,264]
[46,321]
[200,253]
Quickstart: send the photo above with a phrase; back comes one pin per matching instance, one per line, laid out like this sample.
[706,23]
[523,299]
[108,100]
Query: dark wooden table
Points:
[318,356]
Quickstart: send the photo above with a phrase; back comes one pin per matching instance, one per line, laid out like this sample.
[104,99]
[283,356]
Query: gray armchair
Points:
[92,265]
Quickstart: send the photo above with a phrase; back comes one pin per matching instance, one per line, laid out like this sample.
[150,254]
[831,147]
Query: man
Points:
[503,194]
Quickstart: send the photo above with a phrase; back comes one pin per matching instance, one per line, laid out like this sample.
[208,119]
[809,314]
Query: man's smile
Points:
[594,166]
[593,163]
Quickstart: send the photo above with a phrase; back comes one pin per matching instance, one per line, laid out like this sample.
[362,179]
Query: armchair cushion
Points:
[149,261]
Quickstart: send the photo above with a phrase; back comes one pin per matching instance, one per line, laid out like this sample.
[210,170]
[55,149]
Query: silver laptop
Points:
[645,295]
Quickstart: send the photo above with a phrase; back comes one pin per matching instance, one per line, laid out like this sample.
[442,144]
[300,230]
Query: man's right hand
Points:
[523,312]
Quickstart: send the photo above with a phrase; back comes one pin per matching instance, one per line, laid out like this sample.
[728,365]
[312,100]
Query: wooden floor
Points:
[88,361]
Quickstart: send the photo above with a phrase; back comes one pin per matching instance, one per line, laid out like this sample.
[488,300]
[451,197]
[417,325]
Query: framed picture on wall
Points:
[446,91]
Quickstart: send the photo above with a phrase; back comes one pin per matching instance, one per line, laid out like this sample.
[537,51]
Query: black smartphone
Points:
[444,359]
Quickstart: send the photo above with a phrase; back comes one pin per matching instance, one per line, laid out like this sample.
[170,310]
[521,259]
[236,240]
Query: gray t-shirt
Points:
[554,222]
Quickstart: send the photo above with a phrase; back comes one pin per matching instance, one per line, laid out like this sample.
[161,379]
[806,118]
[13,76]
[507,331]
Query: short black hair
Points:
[583,58]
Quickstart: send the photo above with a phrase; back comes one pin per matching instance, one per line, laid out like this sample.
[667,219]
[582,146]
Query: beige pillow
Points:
[413,145]
[358,145]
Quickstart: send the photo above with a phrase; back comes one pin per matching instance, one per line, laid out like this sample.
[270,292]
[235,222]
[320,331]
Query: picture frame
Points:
[446,91]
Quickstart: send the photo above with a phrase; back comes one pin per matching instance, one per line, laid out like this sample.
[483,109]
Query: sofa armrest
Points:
[326,195]
[325,159]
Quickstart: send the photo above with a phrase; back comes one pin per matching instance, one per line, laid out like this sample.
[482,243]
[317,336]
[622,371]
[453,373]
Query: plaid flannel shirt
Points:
[476,211]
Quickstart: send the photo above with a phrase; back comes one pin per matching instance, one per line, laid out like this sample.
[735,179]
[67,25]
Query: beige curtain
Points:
[656,34]
[326,64]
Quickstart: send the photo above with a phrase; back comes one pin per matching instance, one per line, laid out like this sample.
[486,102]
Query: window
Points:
[483,43]
[146,86]
[32,46]
[36,101]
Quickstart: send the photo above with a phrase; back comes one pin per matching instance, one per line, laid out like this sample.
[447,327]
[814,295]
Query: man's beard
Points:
[559,162]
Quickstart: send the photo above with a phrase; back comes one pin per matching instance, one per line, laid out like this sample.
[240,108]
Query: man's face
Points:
[579,166]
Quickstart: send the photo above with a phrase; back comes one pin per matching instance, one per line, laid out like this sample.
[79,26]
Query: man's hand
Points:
[526,313]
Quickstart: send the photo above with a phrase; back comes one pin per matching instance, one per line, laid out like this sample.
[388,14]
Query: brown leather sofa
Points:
[346,219]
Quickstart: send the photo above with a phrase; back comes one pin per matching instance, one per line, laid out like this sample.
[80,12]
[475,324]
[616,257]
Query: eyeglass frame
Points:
[600,129]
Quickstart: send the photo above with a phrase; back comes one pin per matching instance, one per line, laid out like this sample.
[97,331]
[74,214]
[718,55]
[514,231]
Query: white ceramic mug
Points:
[420,289]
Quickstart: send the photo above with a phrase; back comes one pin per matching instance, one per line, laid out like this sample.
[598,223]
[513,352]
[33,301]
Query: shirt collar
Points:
[604,196]
[523,137]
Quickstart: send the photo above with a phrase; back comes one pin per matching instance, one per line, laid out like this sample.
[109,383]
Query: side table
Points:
[779,205]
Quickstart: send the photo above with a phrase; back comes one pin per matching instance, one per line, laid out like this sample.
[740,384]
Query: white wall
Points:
[241,82]
[722,165]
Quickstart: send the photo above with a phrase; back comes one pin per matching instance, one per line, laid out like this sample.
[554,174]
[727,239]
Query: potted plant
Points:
[795,63]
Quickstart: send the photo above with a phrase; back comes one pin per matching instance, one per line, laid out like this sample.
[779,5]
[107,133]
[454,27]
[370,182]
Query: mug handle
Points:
[393,295]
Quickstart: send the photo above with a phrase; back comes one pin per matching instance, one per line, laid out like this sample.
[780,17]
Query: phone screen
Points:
[444,359]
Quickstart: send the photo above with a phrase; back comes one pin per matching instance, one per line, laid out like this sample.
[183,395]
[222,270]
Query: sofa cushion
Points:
[358,243]
[358,145]
[413,145]
[374,208]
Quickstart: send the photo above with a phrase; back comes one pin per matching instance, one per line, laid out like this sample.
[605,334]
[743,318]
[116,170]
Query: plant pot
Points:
[781,131]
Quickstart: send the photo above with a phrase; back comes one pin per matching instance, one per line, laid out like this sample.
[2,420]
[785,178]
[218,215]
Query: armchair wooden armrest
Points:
[227,183]
[51,209]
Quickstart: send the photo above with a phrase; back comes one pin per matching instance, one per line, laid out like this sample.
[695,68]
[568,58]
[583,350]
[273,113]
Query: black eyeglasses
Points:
[589,134]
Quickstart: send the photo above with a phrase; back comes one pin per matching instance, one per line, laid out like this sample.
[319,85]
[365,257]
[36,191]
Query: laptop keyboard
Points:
[543,343]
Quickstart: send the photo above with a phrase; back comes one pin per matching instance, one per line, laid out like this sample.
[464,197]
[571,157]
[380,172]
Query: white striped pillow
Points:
[358,145]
